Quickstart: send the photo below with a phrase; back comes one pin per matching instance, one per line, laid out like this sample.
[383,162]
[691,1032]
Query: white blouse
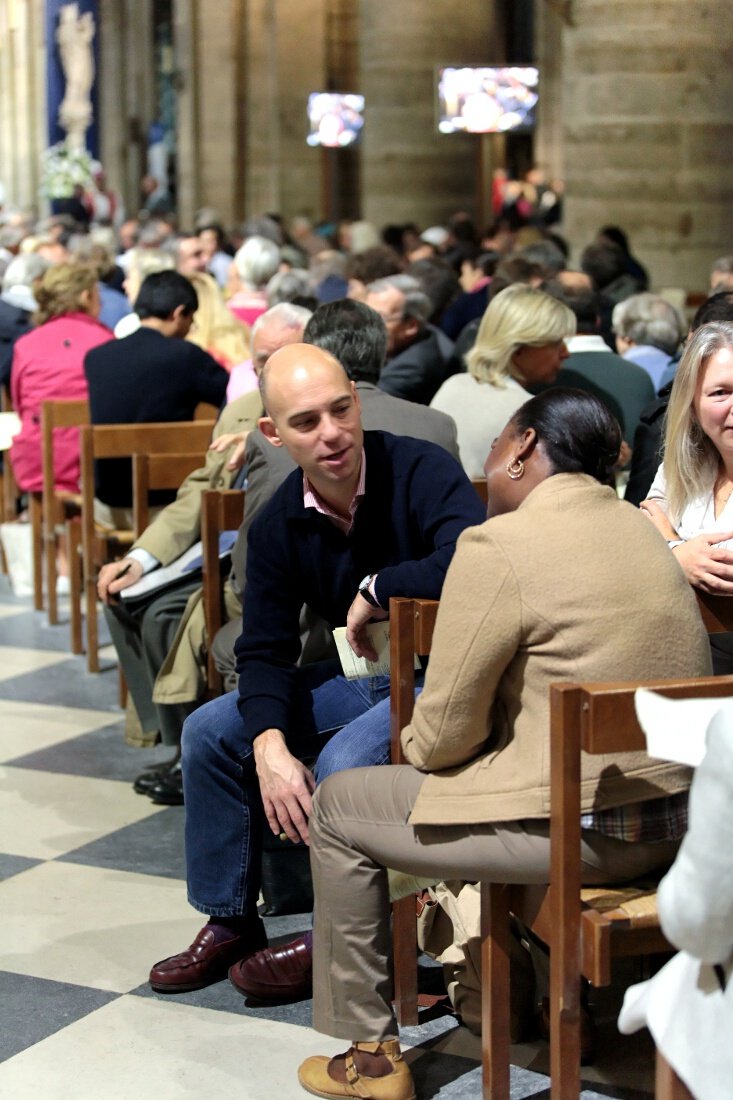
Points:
[698,517]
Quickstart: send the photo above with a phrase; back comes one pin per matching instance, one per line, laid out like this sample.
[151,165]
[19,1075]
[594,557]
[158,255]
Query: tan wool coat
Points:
[575,585]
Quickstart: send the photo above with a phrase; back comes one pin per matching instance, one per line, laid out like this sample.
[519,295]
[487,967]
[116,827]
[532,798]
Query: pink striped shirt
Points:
[311,499]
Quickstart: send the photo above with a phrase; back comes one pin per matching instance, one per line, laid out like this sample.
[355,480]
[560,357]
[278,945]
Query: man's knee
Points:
[212,729]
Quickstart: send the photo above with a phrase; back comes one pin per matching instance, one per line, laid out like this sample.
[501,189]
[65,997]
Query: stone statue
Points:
[75,36]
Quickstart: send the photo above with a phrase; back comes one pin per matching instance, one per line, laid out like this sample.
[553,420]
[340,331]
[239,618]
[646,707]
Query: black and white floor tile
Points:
[92,893]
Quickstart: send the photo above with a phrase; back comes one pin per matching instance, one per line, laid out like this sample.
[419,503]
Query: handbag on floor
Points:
[286,876]
[16,538]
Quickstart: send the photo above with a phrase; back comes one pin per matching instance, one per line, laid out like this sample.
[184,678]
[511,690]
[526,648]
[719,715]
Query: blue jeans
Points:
[341,724]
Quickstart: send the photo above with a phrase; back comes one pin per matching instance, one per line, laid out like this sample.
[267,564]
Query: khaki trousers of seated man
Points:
[359,826]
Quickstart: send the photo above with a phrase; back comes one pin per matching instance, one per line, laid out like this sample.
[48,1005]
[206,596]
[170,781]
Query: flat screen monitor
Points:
[486,99]
[335,119]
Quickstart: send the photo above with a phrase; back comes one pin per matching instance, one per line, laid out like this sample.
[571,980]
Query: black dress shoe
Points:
[168,791]
[152,775]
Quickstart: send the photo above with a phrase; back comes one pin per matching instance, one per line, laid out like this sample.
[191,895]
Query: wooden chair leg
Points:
[90,595]
[668,1085]
[34,509]
[121,687]
[404,963]
[73,544]
[49,548]
[495,955]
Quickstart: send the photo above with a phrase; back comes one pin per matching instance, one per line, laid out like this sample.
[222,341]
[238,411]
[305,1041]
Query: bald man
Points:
[366,516]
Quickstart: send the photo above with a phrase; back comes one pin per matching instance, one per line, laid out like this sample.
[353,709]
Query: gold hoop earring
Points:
[515,469]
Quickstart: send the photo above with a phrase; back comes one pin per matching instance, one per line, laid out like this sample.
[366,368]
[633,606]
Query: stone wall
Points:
[22,100]
[648,130]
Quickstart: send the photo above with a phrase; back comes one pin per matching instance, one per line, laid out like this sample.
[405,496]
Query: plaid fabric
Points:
[648,822]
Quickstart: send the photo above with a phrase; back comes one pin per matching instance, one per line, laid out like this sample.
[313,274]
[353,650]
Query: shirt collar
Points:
[311,499]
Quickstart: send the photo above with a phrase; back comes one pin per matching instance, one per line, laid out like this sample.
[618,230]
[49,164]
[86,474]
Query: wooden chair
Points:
[586,929]
[56,507]
[221,510]
[716,612]
[151,472]
[411,624]
[121,441]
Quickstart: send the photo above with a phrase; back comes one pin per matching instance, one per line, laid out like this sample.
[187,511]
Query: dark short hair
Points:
[354,334]
[577,432]
[162,293]
[718,307]
[603,263]
[373,263]
[582,300]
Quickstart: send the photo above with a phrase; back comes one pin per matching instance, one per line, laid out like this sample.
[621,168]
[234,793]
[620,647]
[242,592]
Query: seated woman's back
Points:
[48,364]
[564,583]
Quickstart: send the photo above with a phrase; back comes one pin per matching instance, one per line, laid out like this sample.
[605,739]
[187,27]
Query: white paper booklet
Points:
[358,668]
[676,728]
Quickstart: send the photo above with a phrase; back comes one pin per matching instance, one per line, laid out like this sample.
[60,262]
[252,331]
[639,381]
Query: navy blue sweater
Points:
[417,502]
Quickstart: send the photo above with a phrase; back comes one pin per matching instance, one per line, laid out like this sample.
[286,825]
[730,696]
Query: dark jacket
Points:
[142,379]
[648,444]
[418,372]
[14,322]
[417,502]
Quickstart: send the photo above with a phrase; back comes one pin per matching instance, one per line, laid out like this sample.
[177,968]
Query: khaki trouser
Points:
[358,827]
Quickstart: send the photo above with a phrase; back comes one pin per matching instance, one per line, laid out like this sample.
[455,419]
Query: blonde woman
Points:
[691,498]
[520,342]
[215,328]
[48,364]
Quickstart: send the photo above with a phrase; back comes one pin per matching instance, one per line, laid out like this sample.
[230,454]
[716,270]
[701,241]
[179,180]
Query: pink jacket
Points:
[48,364]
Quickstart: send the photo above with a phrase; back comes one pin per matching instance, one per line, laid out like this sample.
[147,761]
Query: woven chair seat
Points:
[635,905]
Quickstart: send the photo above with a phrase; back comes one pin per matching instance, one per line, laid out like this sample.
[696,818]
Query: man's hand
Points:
[360,613]
[286,786]
[236,439]
[707,565]
[117,575]
[654,512]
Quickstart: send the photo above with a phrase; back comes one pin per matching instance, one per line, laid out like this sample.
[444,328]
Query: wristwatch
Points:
[365,591]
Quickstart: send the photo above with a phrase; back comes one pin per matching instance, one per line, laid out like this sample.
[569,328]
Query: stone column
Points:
[409,171]
[647,95]
[286,60]
[22,100]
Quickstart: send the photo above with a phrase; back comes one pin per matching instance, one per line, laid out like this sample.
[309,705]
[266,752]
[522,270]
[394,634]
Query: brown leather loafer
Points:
[276,974]
[204,962]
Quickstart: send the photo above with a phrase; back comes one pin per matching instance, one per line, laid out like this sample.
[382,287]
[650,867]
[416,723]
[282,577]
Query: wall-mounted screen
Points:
[335,119]
[487,99]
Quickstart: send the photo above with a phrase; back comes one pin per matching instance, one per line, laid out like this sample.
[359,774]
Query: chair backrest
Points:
[411,624]
[716,612]
[150,472]
[54,414]
[123,441]
[221,510]
[595,718]
[57,414]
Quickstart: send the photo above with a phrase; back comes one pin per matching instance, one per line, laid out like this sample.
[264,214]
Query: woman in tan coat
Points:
[564,582]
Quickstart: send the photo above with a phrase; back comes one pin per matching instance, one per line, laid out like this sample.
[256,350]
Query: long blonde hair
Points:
[690,458]
[215,328]
[518,316]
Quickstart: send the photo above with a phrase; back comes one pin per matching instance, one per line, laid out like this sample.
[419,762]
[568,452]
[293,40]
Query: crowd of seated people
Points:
[360,380]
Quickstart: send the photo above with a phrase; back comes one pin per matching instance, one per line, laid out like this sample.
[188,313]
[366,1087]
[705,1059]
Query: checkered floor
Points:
[92,893]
